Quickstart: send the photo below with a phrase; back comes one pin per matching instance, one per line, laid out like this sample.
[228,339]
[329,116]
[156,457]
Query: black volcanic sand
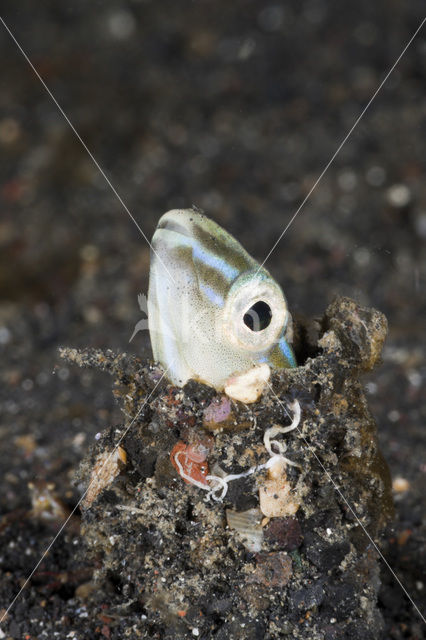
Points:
[234,107]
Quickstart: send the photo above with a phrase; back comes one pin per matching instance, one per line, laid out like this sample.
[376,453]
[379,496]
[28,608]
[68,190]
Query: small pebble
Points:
[362,256]
[398,195]
[121,24]
[79,439]
[400,485]
[394,415]
[415,378]
[217,411]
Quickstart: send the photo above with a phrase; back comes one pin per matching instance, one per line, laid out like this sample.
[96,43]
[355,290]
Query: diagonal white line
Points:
[84,145]
[345,139]
[327,473]
[64,524]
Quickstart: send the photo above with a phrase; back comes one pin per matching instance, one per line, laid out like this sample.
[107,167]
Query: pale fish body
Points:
[213,312]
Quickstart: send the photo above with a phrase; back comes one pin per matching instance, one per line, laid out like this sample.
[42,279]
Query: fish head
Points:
[213,311]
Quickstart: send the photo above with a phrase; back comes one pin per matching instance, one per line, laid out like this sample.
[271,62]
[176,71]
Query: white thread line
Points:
[341,145]
[85,147]
[327,473]
[64,524]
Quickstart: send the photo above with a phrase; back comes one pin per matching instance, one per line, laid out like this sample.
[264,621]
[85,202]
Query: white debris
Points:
[248,387]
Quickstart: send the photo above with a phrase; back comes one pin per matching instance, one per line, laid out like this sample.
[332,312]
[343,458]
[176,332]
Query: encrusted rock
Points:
[163,544]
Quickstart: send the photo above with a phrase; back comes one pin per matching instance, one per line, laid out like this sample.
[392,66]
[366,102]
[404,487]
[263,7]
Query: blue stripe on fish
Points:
[287,351]
[215,298]
[209,259]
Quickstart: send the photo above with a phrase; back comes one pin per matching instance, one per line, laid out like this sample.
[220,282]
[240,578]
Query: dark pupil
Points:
[258,317]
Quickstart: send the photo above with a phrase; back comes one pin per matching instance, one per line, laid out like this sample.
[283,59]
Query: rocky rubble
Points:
[188,565]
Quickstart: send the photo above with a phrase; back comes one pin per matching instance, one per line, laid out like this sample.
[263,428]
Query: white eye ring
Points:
[250,294]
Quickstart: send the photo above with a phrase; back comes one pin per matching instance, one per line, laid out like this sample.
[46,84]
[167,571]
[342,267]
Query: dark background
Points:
[235,107]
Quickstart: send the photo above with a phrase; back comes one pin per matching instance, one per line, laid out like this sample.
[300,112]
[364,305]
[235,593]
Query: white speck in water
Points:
[376,176]
[394,415]
[415,378]
[121,24]
[27,384]
[271,18]
[347,180]
[92,314]
[98,436]
[362,256]
[89,252]
[247,49]
[195,632]
[371,388]
[398,195]
[79,438]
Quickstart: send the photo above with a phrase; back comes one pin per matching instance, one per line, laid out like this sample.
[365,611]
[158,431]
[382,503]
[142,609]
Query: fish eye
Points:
[255,313]
[258,317]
